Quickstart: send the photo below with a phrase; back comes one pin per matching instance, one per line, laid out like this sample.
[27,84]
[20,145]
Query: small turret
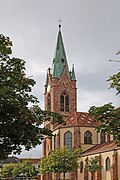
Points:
[73,77]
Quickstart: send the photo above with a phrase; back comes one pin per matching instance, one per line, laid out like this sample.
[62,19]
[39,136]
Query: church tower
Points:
[60,87]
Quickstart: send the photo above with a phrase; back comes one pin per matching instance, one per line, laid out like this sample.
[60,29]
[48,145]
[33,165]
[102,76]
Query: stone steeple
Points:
[60,86]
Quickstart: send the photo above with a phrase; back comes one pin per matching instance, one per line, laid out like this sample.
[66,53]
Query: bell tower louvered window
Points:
[67,103]
[64,102]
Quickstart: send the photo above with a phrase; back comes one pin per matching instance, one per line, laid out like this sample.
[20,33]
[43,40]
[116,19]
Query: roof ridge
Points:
[97,148]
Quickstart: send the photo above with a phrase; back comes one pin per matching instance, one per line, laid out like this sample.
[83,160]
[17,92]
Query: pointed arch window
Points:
[81,167]
[61,103]
[67,103]
[107,163]
[88,137]
[55,141]
[64,102]
[68,140]
[49,102]
[103,137]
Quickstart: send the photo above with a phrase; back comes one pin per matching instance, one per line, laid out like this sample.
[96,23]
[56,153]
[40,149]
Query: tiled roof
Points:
[11,159]
[79,119]
[108,146]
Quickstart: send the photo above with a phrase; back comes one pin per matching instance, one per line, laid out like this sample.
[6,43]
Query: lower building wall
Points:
[112,174]
[81,174]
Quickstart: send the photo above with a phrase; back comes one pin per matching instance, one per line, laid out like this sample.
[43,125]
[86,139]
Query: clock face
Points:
[64,85]
[48,88]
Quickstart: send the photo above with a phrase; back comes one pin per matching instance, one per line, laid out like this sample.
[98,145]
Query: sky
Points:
[91,35]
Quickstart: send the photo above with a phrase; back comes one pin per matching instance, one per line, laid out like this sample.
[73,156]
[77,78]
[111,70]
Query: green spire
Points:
[60,60]
[73,73]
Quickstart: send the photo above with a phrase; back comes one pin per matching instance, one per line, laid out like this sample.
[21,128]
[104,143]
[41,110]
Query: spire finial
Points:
[59,21]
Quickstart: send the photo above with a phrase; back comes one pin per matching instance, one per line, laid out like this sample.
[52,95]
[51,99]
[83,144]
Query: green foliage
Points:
[20,115]
[6,171]
[60,161]
[109,118]
[93,165]
[21,169]
[25,169]
[45,165]
[5,46]
[107,115]
[115,82]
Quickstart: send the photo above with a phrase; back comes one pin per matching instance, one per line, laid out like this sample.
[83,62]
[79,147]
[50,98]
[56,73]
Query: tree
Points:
[20,115]
[24,169]
[115,82]
[109,118]
[93,166]
[60,161]
[107,115]
[6,171]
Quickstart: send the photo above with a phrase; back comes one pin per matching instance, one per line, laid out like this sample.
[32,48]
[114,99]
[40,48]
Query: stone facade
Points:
[64,85]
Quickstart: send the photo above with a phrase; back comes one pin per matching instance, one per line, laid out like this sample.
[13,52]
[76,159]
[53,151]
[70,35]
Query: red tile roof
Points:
[108,146]
[79,119]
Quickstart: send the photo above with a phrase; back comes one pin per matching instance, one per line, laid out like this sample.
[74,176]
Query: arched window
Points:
[102,138]
[55,141]
[61,103]
[49,102]
[68,140]
[108,137]
[88,137]
[67,103]
[107,163]
[64,102]
[81,166]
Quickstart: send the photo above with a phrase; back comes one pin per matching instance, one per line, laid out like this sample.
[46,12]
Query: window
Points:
[55,141]
[49,102]
[67,103]
[107,163]
[108,137]
[102,138]
[64,102]
[61,103]
[68,139]
[81,166]
[88,137]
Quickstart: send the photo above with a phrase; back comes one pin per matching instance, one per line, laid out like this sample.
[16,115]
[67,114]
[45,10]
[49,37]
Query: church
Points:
[78,130]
